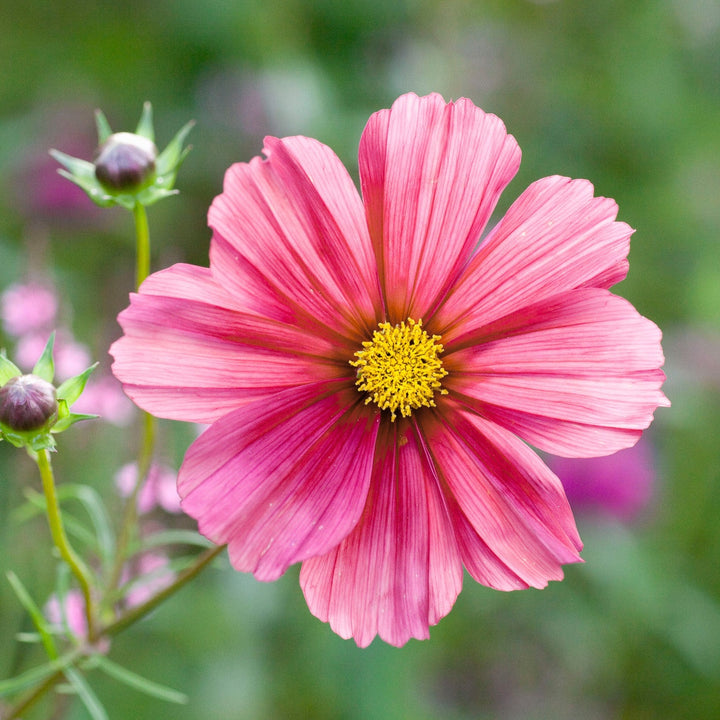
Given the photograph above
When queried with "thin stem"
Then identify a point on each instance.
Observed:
(34, 695)
(147, 448)
(47, 684)
(142, 233)
(138, 612)
(57, 530)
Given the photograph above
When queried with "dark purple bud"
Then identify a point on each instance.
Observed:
(27, 402)
(125, 162)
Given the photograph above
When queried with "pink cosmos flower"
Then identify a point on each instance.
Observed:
(370, 372)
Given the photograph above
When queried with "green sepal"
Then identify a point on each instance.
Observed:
(72, 388)
(104, 130)
(8, 369)
(145, 125)
(35, 440)
(64, 423)
(172, 157)
(82, 173)
(45, 366)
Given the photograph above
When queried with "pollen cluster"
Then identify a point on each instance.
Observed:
(400, 368)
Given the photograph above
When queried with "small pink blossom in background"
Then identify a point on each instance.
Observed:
(619, 485)
(71, 612)
(103, 396)
(159, 489)
(385, 512)
(71, 615)
(28, 308)
(155, 575)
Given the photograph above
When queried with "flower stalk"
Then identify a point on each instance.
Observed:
(59, 536)
(142, 233)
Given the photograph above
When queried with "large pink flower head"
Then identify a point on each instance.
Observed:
(371, 372)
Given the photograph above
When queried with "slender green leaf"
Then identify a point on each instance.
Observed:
(138, 682)
(176, 537)
(35, 614)
(95, 508)
(85, 693)
(36, 674)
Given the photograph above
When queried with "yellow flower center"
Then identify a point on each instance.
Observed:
(400, 368)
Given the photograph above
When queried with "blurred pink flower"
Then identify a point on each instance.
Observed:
(620, 485)
(103, 396)
(152, 575)
(159, 489)
(28, 308)
(369, 371)
(41, 194)
(70, 613)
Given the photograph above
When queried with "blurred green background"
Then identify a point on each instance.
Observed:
(623, 92)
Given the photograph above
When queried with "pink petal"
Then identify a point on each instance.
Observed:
(431, 175)
(514, 525)
(554, 238)
(282, 479)
(399, 571)
(188, 354)
(290, 240)
(578, 375)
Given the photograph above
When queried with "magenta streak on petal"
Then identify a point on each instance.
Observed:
(292, 228)
(554, 238)
(427, 197)
(578, 375)
(281, 480)
(512, 501)
(399, 571)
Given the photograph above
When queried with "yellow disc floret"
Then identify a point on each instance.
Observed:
(400, 368)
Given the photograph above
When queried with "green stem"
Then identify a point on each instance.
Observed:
(130, 512)
(142, 233)
(34, 695)
(60, 539)
(138, 612)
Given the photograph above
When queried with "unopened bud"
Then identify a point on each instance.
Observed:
(27, 402)
(126, 162)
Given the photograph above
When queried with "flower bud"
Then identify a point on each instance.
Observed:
(126, 162)
(27, 403)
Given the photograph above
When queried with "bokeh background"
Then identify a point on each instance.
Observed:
(623, 92)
